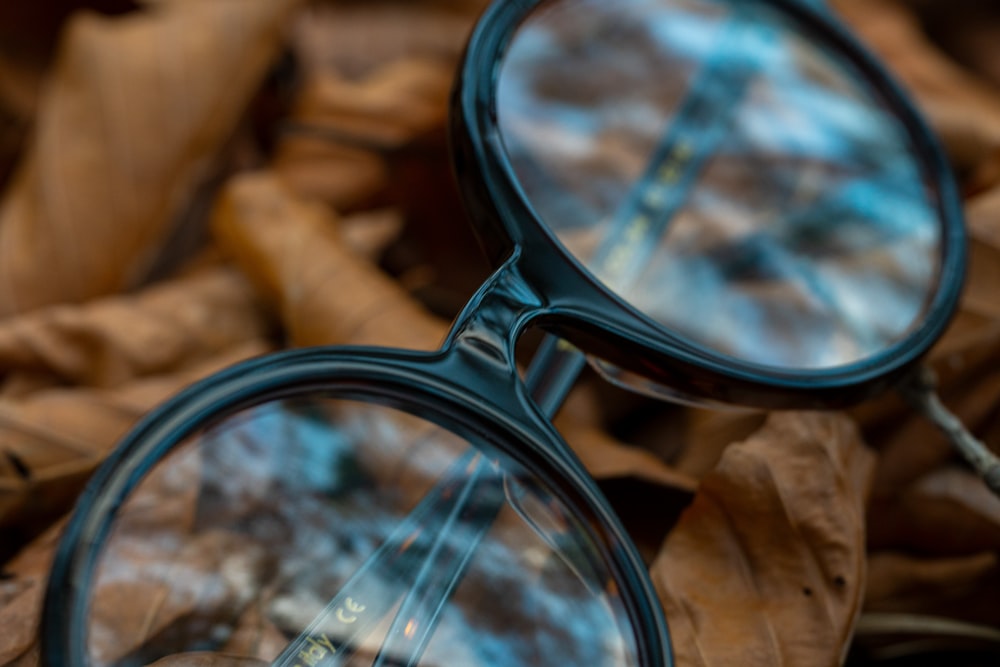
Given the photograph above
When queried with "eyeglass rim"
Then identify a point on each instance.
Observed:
(590, 313)
(431, 386)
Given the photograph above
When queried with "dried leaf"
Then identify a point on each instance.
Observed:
(136, 109)
(766, 567)
(397, 102)
(964, 110)
(20, 79)
(708, 433)
(343, 129)
(356, 38)
(325, 293)
(606, 457)
(964, 588)
(110, 341)
(21, 591)
(947, 512)
(51, 441)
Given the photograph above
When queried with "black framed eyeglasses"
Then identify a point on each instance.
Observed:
(721, 201)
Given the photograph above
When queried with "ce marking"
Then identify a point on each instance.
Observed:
(348, 612)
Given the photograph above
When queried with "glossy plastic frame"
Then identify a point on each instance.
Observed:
(471, 385)
(459, 388)
(604, 324)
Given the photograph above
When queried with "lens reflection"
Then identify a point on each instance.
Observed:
(264, 531)
(725, 173)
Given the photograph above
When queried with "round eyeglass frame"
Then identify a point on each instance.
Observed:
(471, 386)
(500, 207)
(449, 396)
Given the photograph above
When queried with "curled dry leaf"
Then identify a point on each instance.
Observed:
(947, 512)
(51, 441)
(767, 565)
(21, 591)
(604, 456)
(342, 130)
(20, 79)
(961, 587)
(357, 38)
(707, 434)
(964, 110)
(132, 117)
(113, 340)
(325, 293)
(397, 102)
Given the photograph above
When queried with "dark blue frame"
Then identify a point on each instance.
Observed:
(471, 386)
(607, 326)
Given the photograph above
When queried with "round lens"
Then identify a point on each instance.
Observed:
(727, 172)
(316, 531)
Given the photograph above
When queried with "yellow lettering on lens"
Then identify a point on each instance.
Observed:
(638, 229)
(617, 260)
(670, 170)
(353, 606)
(667, 173)
(565, 346)
(344, 617)
(653, 197)
(325, 641)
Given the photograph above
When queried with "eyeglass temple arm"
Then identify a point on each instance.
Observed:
(919, 390)
(362, 602)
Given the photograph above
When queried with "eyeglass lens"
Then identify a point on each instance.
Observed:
(243, 537)
(738, 162)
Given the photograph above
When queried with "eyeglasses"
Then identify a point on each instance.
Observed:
(716, 201)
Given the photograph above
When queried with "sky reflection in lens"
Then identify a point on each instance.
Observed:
(238, 541)
(806, 237)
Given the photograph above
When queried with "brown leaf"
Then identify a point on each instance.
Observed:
(20, 79)
(397, 102)
(110, 341)
(766, 567)
(947, 512)
(964, 587)
(324, 292)
(344, 129)
(356, 38)
(21, 591)
(964, 110)
(707, 434)
(51, 441)
(136, 109)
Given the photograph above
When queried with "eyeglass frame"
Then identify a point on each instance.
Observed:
(456, 386)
